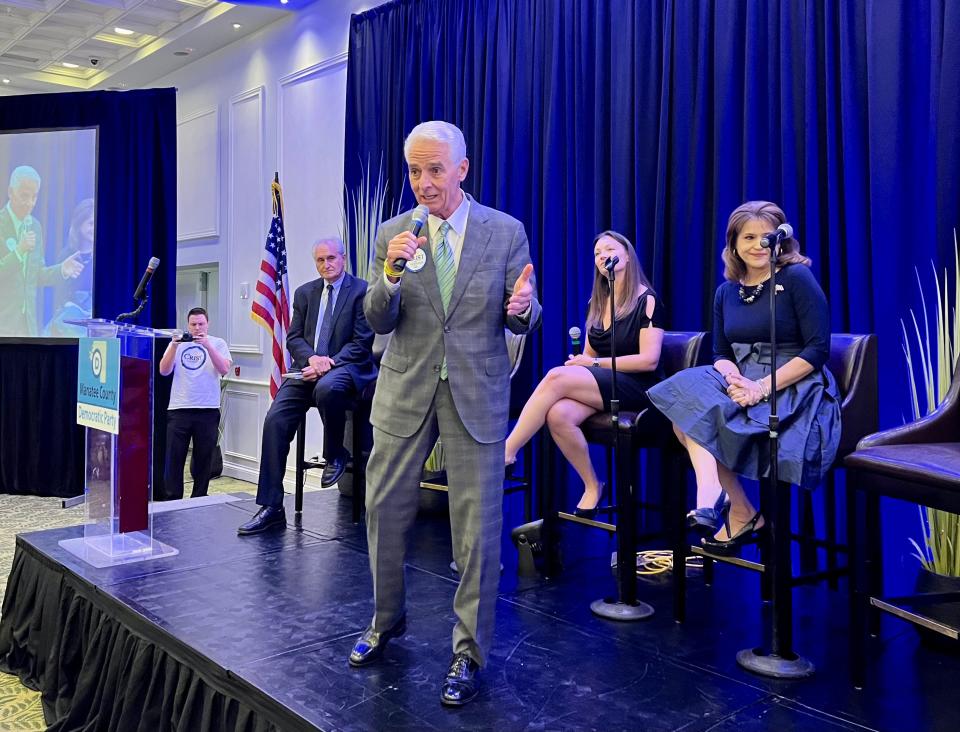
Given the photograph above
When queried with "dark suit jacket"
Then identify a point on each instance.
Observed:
(351, 342)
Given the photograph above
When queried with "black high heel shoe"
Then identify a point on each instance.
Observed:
(707, 521)
(748, 534)
(590, 513)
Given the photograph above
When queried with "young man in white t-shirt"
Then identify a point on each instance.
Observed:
(197, 362)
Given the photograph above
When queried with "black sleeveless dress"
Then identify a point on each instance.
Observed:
(631, 386)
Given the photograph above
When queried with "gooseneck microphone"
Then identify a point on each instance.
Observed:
(773, 239)
(420, 214)
(141, 292)
(574, 334)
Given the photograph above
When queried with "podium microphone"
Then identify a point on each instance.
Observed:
(574, 334)
(141, 292)
(420, 214)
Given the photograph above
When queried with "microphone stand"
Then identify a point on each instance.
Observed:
(779, 661)
(134, 313)
(625, 606)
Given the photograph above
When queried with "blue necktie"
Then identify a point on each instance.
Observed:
(446, 274)
(326, 325)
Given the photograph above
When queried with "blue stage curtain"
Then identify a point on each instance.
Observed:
(658, 117)
(40, 453)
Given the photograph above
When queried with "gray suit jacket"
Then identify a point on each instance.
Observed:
(18, 305)
(495, 251)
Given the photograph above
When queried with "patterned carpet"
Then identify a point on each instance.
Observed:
(19, 706)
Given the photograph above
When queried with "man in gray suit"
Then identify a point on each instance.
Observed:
(446, 297)
(22, 267)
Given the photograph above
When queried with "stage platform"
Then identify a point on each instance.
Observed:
(253, 634)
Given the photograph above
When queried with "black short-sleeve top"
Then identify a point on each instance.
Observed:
(628, 330)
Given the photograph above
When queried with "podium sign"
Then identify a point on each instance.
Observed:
(115, 404)
(98, 384)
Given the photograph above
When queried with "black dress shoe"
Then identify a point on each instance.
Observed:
(461, 684)
(332, 472)
(590, 513)
(371, 644)
(748, 534)
(267, 518)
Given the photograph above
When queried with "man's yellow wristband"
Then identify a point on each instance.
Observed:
(390, 271)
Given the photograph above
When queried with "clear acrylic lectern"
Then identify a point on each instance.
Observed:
(115, 404)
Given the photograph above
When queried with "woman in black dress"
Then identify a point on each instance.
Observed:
(720, 413)
(570, 393)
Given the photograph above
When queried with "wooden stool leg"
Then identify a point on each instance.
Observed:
(674, 500)
(361, 416)
(873, 560)
(301, 440)
(808, 532)
(549, 480)
(830, 524)
(857, 597)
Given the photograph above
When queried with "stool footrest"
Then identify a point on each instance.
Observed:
(916, 618)
(738, 561)
(612, 528)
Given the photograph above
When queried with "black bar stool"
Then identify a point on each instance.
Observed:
(919, 463)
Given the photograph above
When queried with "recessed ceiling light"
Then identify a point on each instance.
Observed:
(68, 65)
(184, 52)
(5, 81)
(237, 26)
(284, 2)
(123, 31)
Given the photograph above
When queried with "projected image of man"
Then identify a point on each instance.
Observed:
(22, 266)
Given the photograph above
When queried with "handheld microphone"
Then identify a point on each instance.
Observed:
(611, 263)
(574, 334)
(141, 292)
(420, 214)
(773, 239)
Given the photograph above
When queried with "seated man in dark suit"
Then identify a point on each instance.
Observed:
(330, 342)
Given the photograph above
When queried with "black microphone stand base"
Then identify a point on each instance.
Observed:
(773, 666)
(613, 609)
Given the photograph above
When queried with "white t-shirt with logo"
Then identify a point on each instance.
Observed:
(196, 383)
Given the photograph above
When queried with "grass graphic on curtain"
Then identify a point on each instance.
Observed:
(930, 374)
(361, 213)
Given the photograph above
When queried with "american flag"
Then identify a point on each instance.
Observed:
(271, 304)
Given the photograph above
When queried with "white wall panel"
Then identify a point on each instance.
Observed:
(242, 423)
(198, 175)
(311, 110)
(249, 194)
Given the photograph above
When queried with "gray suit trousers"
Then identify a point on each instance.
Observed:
(475, 479)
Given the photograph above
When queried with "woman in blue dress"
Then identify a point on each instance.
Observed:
(720, 412)
(570, 393)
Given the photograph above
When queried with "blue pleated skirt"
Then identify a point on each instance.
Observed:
(696, 401)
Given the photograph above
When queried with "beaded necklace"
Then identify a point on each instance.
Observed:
(752, 296)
